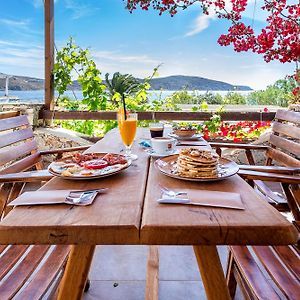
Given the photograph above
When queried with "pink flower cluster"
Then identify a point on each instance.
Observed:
(279, 40)
(238, 132)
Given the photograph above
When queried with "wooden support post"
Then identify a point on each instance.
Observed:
(75, 276)
(211, 272)
(49, 54)
(152, 280)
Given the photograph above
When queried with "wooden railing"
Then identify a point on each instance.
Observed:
(157, 115)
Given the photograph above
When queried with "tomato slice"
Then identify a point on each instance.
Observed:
(94, 164)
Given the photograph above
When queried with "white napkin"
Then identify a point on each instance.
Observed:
(204, 198)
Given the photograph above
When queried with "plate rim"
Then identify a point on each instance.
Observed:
(195, 137)
(129, 162)
(156, 164)
(156, 155)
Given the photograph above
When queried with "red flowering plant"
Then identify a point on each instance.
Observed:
(238, 132)
(278, 40)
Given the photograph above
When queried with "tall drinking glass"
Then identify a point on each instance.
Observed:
(127, 130)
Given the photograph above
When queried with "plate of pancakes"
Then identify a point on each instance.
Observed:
(196, 165)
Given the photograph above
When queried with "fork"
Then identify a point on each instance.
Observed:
(171, 193)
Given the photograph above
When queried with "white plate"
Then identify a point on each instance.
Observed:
(55, 168)
(195, 137)
(154, 154)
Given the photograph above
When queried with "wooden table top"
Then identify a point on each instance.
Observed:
(129, 213)
(167, 224)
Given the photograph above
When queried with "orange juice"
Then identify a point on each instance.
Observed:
(127, 130)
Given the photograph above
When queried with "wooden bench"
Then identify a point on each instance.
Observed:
(271, 272)
(283, 149)
(26, 271)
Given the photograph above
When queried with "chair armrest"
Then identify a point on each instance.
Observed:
(59, 151)
(31, 176)
(265, 176)
(239, 146)
(271, 169)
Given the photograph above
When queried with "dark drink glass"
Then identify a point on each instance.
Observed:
(156, 130)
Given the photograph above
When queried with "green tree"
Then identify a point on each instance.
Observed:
(234, 98)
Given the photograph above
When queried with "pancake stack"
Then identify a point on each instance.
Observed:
(197, 163)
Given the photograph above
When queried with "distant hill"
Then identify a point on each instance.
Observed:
(178, 82)
(22, 83)
(172, 83)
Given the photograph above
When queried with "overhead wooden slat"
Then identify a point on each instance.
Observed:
(250, 270)
(290, 258)
(285, 282)
(15, 136)
(174, 115)
(288, 115)
(24, 269)
(283, 158)
(23, 164)
(14, 152)
(9, 114)
(14, 122)
(45, 276)
(9, 258)
(291, 131)
(285, 145)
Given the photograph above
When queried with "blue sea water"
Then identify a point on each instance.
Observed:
(38, 95)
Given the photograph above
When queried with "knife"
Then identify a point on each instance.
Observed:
(189, 202)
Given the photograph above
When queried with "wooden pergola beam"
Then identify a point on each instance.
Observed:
(49, 54)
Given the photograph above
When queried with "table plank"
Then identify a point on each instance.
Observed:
(114, 217)
(169, 224)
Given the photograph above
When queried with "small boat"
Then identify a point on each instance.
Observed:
(9, 98)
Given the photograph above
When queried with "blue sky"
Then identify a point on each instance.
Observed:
(132, 43)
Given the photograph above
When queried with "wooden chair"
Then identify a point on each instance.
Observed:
(26, 271)
(271, 272)
(283, 149)
(267, 272)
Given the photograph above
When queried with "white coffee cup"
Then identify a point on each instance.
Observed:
(163, 145)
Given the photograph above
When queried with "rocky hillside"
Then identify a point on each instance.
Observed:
(178, 82)
(22, 83)
(172, 83)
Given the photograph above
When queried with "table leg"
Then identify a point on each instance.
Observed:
(76, 272)
(211, 272)
(152, 280)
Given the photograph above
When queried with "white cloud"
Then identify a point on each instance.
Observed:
(15, 23)
(80, 8)
(200, 24)
(139, 65)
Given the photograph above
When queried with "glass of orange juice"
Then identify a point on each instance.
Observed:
(127, 128)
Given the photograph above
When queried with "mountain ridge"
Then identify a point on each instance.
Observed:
(171, 83)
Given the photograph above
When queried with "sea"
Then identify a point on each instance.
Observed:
(37, 97)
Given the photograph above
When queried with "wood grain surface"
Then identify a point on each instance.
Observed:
(114, 217)
(164, 224)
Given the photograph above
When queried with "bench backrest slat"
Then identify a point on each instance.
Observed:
(285, 139)
(18, 149)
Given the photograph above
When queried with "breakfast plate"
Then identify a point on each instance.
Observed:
(154, 154)
(168, 166)
(89, 166)
(195, 137)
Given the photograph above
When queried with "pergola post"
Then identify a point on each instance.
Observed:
(49, 54)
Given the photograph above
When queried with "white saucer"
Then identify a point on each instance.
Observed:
(154, 154)
(195, 137)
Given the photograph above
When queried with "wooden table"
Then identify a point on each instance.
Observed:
(129, 215)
